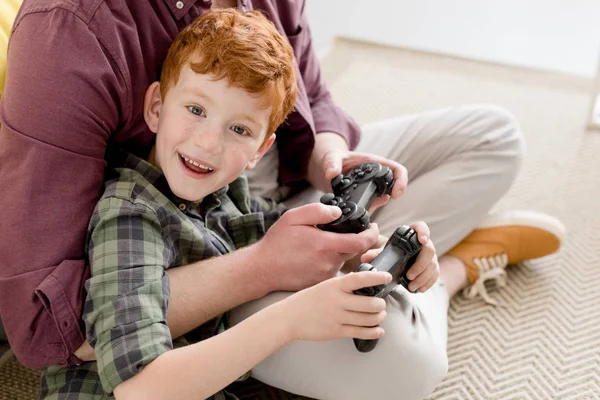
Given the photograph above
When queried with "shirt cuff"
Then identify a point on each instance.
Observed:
(61, 295)
(330, 118)
(128, 349)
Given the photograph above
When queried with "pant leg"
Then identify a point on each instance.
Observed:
(460, 161)
(408, 363)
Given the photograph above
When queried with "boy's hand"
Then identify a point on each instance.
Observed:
(426, 270)
(294, 254)
(330, 310)
(85, 352)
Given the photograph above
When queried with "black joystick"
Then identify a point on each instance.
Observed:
(398, 255)
(354, 193)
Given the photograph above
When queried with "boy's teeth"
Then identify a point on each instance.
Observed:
(196, 164)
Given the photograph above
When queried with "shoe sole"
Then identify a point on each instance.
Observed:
(525, 218)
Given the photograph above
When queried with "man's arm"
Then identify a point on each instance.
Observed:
(206, 289)
(57, 111)
(328, 117)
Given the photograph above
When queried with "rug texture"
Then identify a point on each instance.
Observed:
(543, 341)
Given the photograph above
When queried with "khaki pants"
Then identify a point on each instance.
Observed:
(460, 161)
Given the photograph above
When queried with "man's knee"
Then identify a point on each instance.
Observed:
(502, 136)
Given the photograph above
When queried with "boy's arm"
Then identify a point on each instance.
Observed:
(130, 290)
(204, 368)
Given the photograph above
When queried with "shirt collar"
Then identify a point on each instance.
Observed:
(179, 8)
(156, 178)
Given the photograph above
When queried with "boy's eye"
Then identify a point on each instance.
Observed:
(240, 130)
(196, 110)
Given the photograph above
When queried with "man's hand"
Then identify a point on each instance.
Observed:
(294, 254)
(331, 157)
(426, 270)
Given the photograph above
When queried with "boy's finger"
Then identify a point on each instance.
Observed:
(423, 231)
(429, 283)
(425, 257)
(358, 280)
(363, 319)
(362, 332)
(423, 278)
(364, 304)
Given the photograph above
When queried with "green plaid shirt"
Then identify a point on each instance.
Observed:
(139, 229)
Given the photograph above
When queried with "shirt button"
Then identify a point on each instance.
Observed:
(179, 5)
(182, 207)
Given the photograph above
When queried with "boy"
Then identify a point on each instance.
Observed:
(228, 82)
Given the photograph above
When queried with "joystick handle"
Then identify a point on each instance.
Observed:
(398, 255)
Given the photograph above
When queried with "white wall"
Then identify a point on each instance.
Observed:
(559, 35)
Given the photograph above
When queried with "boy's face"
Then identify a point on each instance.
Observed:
(207, 133)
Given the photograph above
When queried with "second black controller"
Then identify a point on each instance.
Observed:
(398, 255)
(354, 193)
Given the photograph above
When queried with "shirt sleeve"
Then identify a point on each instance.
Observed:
(59, 105)
(328, 117)
(128, 292)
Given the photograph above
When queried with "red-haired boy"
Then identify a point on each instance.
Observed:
(228, 82)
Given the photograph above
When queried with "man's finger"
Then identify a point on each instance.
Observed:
(312, 214)
(352, 243)
(370, 255)
(401, 178)
(379, 202)
(399, 171)
(332, 164)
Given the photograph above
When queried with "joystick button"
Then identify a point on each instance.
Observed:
(345, 181)
(336, 181)
(369, 168)
(328, 198)
(346, 210)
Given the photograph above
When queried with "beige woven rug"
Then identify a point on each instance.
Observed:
(544, 343)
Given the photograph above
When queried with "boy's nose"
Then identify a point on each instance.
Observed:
(209, 140)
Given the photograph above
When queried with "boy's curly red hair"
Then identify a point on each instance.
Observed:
(243, 47)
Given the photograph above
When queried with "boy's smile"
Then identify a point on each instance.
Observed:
(208, 132)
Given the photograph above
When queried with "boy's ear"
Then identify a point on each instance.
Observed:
(260, 152)
(152, 106)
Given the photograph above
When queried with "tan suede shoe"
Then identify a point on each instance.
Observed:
(502, 239)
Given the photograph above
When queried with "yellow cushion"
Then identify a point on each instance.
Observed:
(8, 12)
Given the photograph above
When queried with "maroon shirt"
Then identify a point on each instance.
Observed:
(76, 77)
